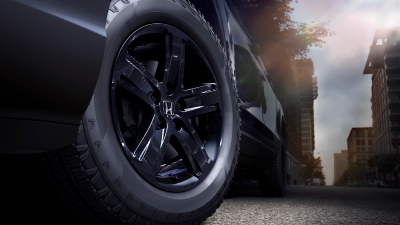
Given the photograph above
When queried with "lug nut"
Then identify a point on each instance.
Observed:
(181, 105)
(153, 97)
(160, 123)
(177, 125)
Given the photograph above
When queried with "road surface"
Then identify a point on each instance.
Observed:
(310, 205)
(23, 204)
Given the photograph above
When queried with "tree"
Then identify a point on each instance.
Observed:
(319, 174)
(270, 25)
(298, 41)
(313, 167)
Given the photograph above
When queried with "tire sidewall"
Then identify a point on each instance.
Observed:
(103, 140)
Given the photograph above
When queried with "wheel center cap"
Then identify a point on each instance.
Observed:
(168, 107)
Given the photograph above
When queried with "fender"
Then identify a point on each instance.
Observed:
(51, 55)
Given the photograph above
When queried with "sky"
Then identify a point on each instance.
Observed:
(344, 93)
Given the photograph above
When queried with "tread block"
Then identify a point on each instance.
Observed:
(132, 219)
(117, 207)
(92, 171)
(81, 148)
(108, 197)
(122, 212)
(104, 191)
(84, 156)
(95, 178)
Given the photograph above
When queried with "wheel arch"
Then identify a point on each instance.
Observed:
(52, 52)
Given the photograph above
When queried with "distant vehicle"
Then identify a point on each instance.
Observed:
(369, 183)
(379, 183)
(317, 182)
(353, 184)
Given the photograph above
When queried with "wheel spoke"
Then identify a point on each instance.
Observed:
(131, 75)
(206, 88)
(204, 99)
(198, 90)
(174, 60)
(141, 69)
(194, 152)
(137, 92)
(122, 67)
(189, 128)
(199, 110)
(142, 142)
(165, 135)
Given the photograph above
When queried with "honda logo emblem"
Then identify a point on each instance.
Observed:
(168, 108)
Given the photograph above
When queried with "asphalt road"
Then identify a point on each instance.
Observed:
(22, 204)
(310, 205)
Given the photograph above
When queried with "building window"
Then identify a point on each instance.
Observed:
(369, 133)
(305, 116)
(360, 142)
(359, 133)
(305, 122)
(369, 141)
(306, 148)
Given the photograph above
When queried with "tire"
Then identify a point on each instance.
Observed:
(273, 182)
(97, 180)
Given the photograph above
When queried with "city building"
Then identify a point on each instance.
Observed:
(384, 64)
(308, 92)
(360, 145)
(340, 164)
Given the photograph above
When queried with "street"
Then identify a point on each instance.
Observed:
(243, 205)
(310, 205)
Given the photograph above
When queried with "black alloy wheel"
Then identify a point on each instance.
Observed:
(166, 107)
